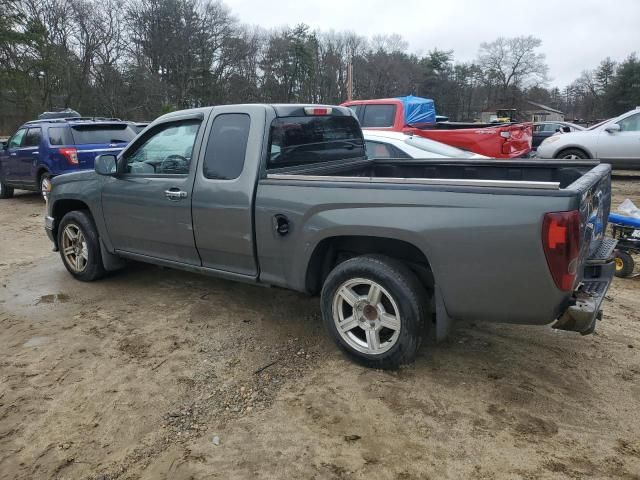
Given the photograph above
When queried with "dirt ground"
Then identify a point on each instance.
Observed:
(154, 373)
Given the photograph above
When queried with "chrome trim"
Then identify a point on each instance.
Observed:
(421, 181)
(100, 150)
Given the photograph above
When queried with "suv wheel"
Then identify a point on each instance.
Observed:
(5, 190)
(79, 246)
(45, 185)
(375, 309)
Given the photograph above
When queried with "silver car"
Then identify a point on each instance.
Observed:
(615, 141)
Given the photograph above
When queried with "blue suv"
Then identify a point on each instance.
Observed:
(42, 149)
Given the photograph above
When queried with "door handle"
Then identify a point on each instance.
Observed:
(175, 194)
(13, 154)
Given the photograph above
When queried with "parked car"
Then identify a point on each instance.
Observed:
(615, 141)
(42, 149)
(139, 126)
(284, 195)
(386, 144)
(544, 130)
(411, 115)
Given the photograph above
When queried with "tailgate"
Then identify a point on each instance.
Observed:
(519, 140)
(595, 202)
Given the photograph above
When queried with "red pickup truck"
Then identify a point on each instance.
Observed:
(496, 141)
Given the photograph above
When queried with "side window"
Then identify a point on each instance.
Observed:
(227, 146)
(16, 140)
(357, 109)
(165, 150)
(630, 124)
(378, 116)
(32, 138)
(379, 150)
(539, 127)
(60, 136)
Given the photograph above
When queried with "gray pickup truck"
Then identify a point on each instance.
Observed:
(284, 195)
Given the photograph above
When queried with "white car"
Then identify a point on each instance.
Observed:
(383, 144)
(615, 141)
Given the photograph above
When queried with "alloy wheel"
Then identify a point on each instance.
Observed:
(366, 316)
(74, 248)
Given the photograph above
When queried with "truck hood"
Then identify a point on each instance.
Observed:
(81, 176)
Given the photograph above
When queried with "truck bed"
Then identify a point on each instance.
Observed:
(528, 174)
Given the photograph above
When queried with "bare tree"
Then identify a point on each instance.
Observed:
(513, 63)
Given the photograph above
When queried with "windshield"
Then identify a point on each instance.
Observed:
(102, 134)
(598, 125)
(432, 146)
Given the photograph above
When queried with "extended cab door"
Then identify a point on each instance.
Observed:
(224, 189)
(147, 206)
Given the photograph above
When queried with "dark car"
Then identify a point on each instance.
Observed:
(543, 130)
(42, 149)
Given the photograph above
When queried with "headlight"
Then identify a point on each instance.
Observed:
(549, 140)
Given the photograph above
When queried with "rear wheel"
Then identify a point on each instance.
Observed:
(624, 264)
(5, 190)
(79, 246)
(572, 154)
(375, 309)
(45, 185)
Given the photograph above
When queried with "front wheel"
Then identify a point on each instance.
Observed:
(5, 190)
(572, 154)
(375, 309)
(79, 246)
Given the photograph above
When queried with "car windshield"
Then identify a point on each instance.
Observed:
(598, 125)
(432, 146)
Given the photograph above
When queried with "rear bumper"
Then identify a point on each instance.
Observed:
(585, 306)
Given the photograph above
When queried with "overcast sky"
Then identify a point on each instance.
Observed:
(576, 34)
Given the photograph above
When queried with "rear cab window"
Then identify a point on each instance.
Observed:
(305, 140)
(378, 116)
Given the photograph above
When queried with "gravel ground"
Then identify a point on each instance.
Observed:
(155, 373)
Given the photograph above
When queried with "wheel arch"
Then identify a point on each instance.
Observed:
(335, 249)
(60, 208)
(582, 148)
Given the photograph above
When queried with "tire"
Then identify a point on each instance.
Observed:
(572, 154)
(44, 183)
(402, 303)
(84, 262)
(5, 190)
(624, 264)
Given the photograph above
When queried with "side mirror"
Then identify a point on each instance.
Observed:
(613, 128)
(566, 129)
(106, 165)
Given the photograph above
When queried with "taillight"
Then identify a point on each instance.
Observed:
(70, 155)
(561, 242)
(505, 134)
(317, 110)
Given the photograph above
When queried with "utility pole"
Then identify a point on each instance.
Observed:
(350, 82)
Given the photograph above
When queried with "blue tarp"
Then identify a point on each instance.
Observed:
(418, 110)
